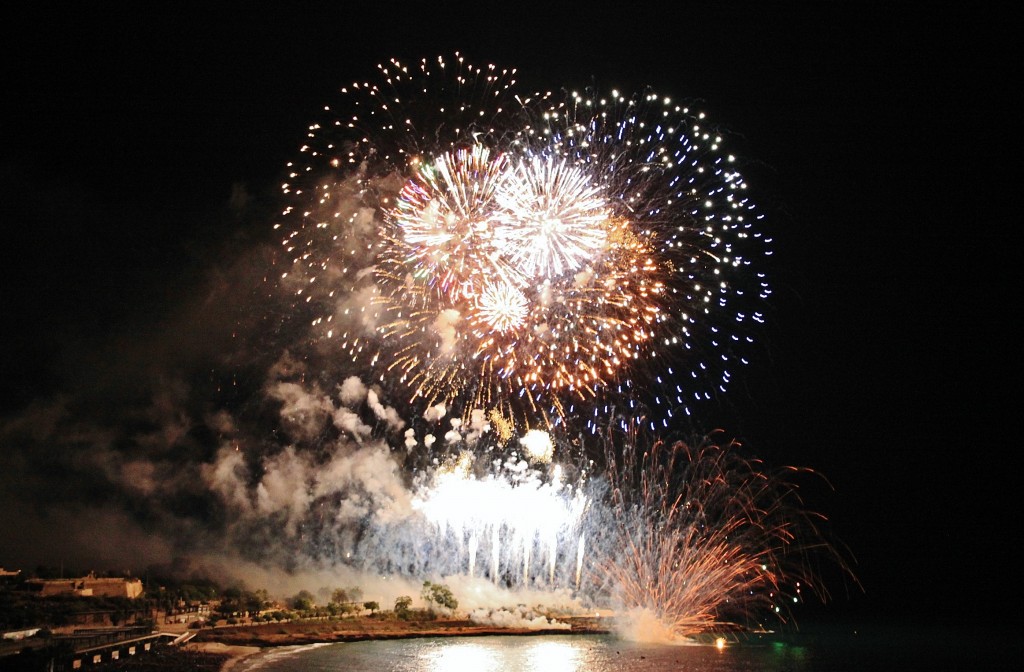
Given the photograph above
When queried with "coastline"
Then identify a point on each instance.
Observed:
(238, 642)
(231, 654)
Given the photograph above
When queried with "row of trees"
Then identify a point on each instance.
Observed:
(343, 601)
(19, 608)
(346, 600)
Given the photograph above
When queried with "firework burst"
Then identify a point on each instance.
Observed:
(532, 255)
(551, 218)
(502, 307)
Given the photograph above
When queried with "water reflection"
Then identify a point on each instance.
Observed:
(463, 656)
(546, 655)
(827, 649)
(554, 656)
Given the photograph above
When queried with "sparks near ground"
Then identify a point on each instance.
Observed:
(703, 538)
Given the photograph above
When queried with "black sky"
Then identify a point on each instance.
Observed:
(887, 150)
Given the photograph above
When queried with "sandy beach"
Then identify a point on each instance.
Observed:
(230, 652)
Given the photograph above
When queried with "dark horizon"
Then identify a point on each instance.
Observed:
(140, 156)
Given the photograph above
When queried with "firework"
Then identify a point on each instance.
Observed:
(705, 539)
(525, 527)
(529, 255)
(551, 218)
(502, 307)
(444, 224)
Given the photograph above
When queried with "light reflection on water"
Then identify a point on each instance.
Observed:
(835, 649)
(551, 655)
(557, 656)
(546, 653)
(462, 656)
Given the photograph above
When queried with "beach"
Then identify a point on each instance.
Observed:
(228, 654)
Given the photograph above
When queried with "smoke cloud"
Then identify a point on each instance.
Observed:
(519, 617)
(242, 438)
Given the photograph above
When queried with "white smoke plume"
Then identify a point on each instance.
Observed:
(434, 413)
(478, 426)
(352, 392)
(385, 413)
(445, 327)
(519, 617)
(303, 412)
(349, 422)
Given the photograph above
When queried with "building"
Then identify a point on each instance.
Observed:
(87, 586)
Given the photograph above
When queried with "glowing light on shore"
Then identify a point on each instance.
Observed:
(528, 522)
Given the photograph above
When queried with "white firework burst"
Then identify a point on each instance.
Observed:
(553, 218)
(502, 306)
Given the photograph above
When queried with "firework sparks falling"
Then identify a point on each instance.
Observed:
(704, 539)
(535, 260)
(532, 525)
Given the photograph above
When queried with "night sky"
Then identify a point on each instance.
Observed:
(142, 153)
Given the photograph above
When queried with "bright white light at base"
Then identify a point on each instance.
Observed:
(462, 502)
(521, 519)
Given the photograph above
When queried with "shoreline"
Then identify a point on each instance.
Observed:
(243, 641)
(232, 654)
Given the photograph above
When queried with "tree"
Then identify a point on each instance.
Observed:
(439, 594)
(230, 602)
(302, 601)
(253, 603)
(372, 606)
(344, 595)
(402, 605)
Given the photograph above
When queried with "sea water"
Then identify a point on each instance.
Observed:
(832, 649)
